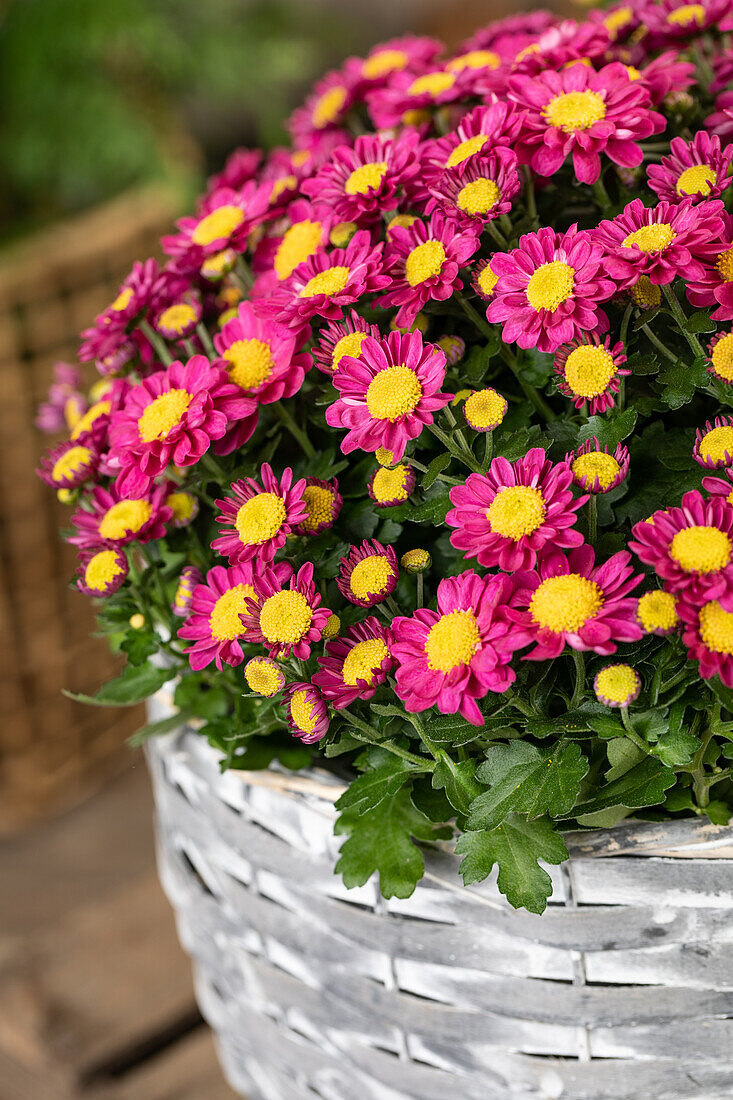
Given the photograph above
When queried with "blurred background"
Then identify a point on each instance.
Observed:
(112, 117)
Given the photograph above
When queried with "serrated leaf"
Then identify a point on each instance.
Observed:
(700, 322)
(440, 462)
(515, 846)
(643, 785)
(605, 725)
(139, 645)
(718, 812)
(623, 755)
(677, 747)
(680, 380)
(133, 685)
(386, 774)
(452, 729)
(157, 729)
(381, 840)
(524, 779)
(431, 511)
(609, 430)
(458, 780)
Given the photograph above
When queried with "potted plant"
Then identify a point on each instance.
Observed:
(408, 498)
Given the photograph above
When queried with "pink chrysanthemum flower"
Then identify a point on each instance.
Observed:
(549, 288)
(171, 417)
(306, 711)
(101, 571)
(590, 370)
(112, 518)
(183, 598)
(390, 57)
(65, 402)
(617, 685)
(389, 393)
(618, 19)
(714, 286)
(720, 122)
(485, 409)
(583, 113)
(408, 94)
(277, 257)
(328, 281)
(663, 75)
(68, 465)
(355, 664)
(697, 169)
(669, 19)
(239, 168)
(515, 512)
(720, 486)
(656, 612)
(264, 677)
(720, 354)
(478, 190)
(708, 634)
(224, 220)
(360, 182)
(369, 574)
(183, 505)
(690, 547)
(424, 260)
(569, 600)
(340, 338)
(323, 502)
(179, 319)
(452, 657)
(512, 33)
(559, 46)
(145, 290)
(714, 443)
(286, 619)
(594, 469)
(391, 485)
(257, 518)
(483, 280)
(484, 130)
(454, 348)
(323, 112)
(215, 622)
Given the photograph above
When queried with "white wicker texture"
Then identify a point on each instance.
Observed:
(623, 990)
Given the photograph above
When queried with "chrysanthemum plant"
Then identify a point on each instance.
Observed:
(415, 459)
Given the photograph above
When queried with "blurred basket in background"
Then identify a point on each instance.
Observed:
(53, 750)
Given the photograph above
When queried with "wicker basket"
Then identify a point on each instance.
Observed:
(622, 990)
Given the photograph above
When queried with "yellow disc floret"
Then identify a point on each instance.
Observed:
(516, 511)
(124, 518)
(184, 506)
(432, 83)
(650, 238)
(474, 59)
(424, 262)
(366, 178)
(384, 61)
(478, 197)
(225, 620)
(696, 181)
(263, 677)
(383, 456)
(217, 225)
(595, 464)
(371, 577)
(285, 618)
(328, 282)
(332, 627)
(565, 603)
(363, 660)
(319, 502)
(250, 362)
(299, 242)
(102, 569)
(550, 285)
(452, 641)
(722, 357)
(303, 711)
(571, 111)
(329, 106)
(86, 422)
(645, 293)
(122, 300)
(717, 445)
(348, 345)
(589, 369)
(616, 685)
(70, 462)
(687, 15)
(393, 393)
(485, 409)
(716, 628)
(390, 485)
(466, 149)
(260, 518)
(416, 561)
(657, 611)
(162, 415)
(487, 280)
(701, 549)
(725, 264)
(177, 318)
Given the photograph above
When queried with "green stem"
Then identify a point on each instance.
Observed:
(529, 194)
(681, 319)
(488, 449)
(420, 601)
(532, 395)
(520, 705)
(466, 457)
(700, 785)
(632, 734)
(579, 661)
(625, 323)
(203, 335)
(658, 344)
(473, 315)
(592, 517)
(602, 195)
(371, 737)
(158, 343)
(392, 605)
(295, 430)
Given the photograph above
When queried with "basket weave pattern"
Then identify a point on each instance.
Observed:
(623, 989)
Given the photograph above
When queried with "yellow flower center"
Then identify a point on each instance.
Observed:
(260, 518)
(466, 149)
(383, 456)
(475, 59)
(565, 603)
(183, 592)
(84, 424)
(342, 233)
(285, 618)
(225, 620)
(329, 282)
(162, 414)
(725, 265)
(485, 409)
(319, 502)
(487, 280)
(722, 357)
(479, 196)
(696, 181)
(383, 62)
(551, 284)
(572, 111)
(216, 266)
(217, 225)
(651, 238)
(716, 628)
(303, 712)
(363, 660)
(348, 345)
(250, 362)
(390, 484)
(686, 15)
(124, 518)
(102, 569)
(178, 317)
(589, 369)
(657, 611)
(368, 177)
(615, 21)
(70, 462)
(122, 300)
(299, 242)
(701, 549)
(645, 293)
(596, 464)
(371, 576)
(717, 445)
(263, 677)
(432, 83)
(424, 262)
(183, 505)
(516, 511)
(285, 183)
(452, 641)
(417, 559)
(617, 683)
(329, 106)
(332, 627)
(393, 393)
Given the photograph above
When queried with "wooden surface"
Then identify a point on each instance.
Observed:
(96, 1000)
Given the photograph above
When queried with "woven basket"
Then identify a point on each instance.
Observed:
(621, 991)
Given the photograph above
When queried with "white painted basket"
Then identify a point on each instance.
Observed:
(623, 990)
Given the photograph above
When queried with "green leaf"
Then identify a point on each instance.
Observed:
(604, 819)
(452, 729)
(623, 755)
(718, 812)
(458, 780)
(680, 380)
(643, 785)
(386, 774)
(139, 645)
(605, 725)
(157, 729)
(700, 322)
(440, 462)
(527, 780)
(516, 846)
(431, 511)
(609, 430)
(133, 685)
(676, 747)
(381, 840)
